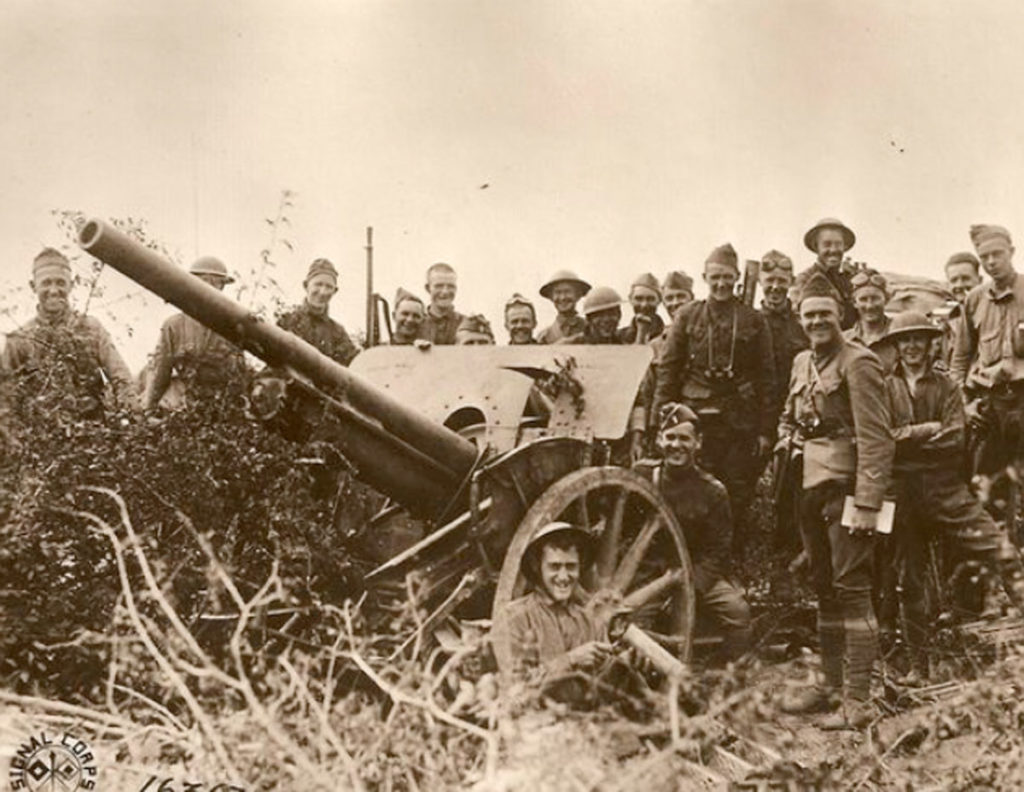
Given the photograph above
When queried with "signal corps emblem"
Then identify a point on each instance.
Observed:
(52, 763)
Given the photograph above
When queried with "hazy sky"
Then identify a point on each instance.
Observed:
(615, 137)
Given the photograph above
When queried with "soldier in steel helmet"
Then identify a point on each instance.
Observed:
(831, 240)
(68, 355)
(718, 360)
(311, 321)
(189, 352)
(645, 297)
(552, 627)
(837, 417)
(932, 496)
(565, 289)
(602, 312)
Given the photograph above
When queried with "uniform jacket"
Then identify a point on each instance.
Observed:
(561, 328)
(183, 341)
(884, 348)
(788, 338)
(985, 352)
(686, 357)
(542, 631)
(844, 398)
(321, 331)
(586, 337)
(936, 398)
(839, 277)
(700, 503)
(76, 337)
(440, 330)
(627, 334)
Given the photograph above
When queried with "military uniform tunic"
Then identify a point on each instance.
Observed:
(318, 329)
(562, 327)
(440, 329)
(627, 334)
(788, 338)
(840, 278)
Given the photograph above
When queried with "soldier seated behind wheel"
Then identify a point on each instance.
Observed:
(701, 505)
(551, 627)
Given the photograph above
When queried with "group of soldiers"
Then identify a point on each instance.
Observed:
(851, 409)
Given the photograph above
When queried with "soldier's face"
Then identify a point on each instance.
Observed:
(675, 299)
(679, 444)
(441, 288)
(565, 296)
(520, 323)
(603, 324)
(914, 347)
(997, 260)
(320, 289)
(408, 318)
(962, 278)
(830, 246)
(559, 571)
(721, 280)
(52, 287)
(469, 338)
(213, 280)
(870, 303)
(775, 285)
(644, 301)
(819, 317)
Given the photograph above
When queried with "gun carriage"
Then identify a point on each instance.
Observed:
(476, 446)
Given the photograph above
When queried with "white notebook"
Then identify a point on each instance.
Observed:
(885, 515)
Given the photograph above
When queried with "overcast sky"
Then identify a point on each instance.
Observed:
(615, 137)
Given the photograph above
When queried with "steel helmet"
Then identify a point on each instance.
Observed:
(911, 322)
(601, 299)
(564, 276)
(583, 540)
(210, 265)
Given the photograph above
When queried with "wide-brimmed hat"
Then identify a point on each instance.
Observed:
(564, 276)
(210, 265)
(582, 538)
(911, 322)
(829, 222)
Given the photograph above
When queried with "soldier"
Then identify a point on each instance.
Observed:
(718, 360)
(831, 240)
(442, 319)
(962, 275)
(552, 627)
(644, 296)
(520, 320)
(408, 315)
(988, 353)
(602, 312)
(189, 352)
(676, 291)
(62, 354)
(564, 289)
(701, 504)
(311, 322)
(837, 411)
(474, 330)
(931, 494)
(870, 294)
(788, 338)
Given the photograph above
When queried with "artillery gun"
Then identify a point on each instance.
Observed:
(448, 435)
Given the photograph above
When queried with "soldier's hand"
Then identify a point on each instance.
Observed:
(975, 415)
(589, 654)
(863, 521)
(421, 344)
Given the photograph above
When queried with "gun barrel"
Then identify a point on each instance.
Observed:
(279, 348)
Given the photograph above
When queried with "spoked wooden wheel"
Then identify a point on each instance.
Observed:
(641, 562)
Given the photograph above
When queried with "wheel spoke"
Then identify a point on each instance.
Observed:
(584, 511)
(649, 592)
(634, 554)
(610, 540)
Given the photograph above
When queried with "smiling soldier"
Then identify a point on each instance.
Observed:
(831, 240)
(311, 322)
(520, 320)
(408, 315)
(68, 355)
(442, 319)
(564, 289)
(645, 297)
(551, 627)
(837, 413)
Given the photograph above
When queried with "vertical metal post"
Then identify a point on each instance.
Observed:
(371, 306)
